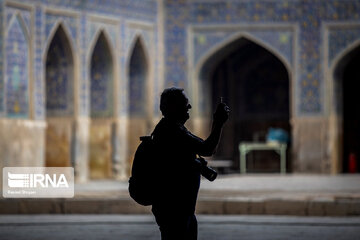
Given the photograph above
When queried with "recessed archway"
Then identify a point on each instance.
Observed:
(255, 83)
(101, 108)
(138, 75)
(346, 97)
(139, 104)
(59, 79)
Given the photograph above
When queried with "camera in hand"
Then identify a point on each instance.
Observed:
(207, 172)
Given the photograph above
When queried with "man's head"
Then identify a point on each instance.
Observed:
(175, 105)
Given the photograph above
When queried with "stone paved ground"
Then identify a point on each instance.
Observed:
(130, 227)
(274, 194)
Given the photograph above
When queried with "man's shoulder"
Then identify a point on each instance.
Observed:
(170, 129)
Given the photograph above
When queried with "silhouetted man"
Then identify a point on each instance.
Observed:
(177, 173)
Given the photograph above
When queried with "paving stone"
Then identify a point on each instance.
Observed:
(256, 207)
(42, 206)
(236, 207)
(210, 207)
(9, 206)
(283, 207)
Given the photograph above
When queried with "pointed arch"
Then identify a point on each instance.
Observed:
(341, 96)
(59, 69)
(102, 73)
(60, 24)
(234, 38)
(138, 68)
(17, 17)
(137, 39)
(101, 31)
(59, 76)
(17, 68)
(344, 56)
(219, 51)
(254, 82)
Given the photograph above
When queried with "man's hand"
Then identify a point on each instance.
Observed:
(221, 114)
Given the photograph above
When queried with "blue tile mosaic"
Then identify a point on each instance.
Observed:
(69, 22)
(39, 104)
(281, 41)
(136, 9)
(132, 36)
(122, 90)
(2, 79)
(17, 70)
(110, 30)
(84, 106)
(157, 77)
(307, 15)
(25, 14)
(340, 39)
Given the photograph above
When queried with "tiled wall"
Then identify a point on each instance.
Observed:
(292, 29)
(81, 21)
(17, 68)
(302, 45)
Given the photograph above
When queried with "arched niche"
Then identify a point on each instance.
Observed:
(255, 83)
(101, 108)
(346, 89)
(138, 78)
(59, 76)
(59, 86)
(17, 69)
(139, 104)
(101, 79)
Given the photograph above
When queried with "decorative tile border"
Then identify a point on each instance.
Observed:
(2, 57)
(18, 75)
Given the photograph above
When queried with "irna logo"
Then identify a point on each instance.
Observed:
(16, 180)
(38, 182)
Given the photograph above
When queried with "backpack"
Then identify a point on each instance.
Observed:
(141, 182)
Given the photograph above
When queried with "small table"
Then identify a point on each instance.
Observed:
(246, 147)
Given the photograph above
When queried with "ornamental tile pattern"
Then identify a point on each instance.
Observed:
(2, 79)
(69, 22)
(340, 39)
(38, 65)
(306, 15)
(17, 70)
(277, 39)
(302, 49)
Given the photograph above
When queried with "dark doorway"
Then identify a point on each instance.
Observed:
(351, 111)
(255, 84)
